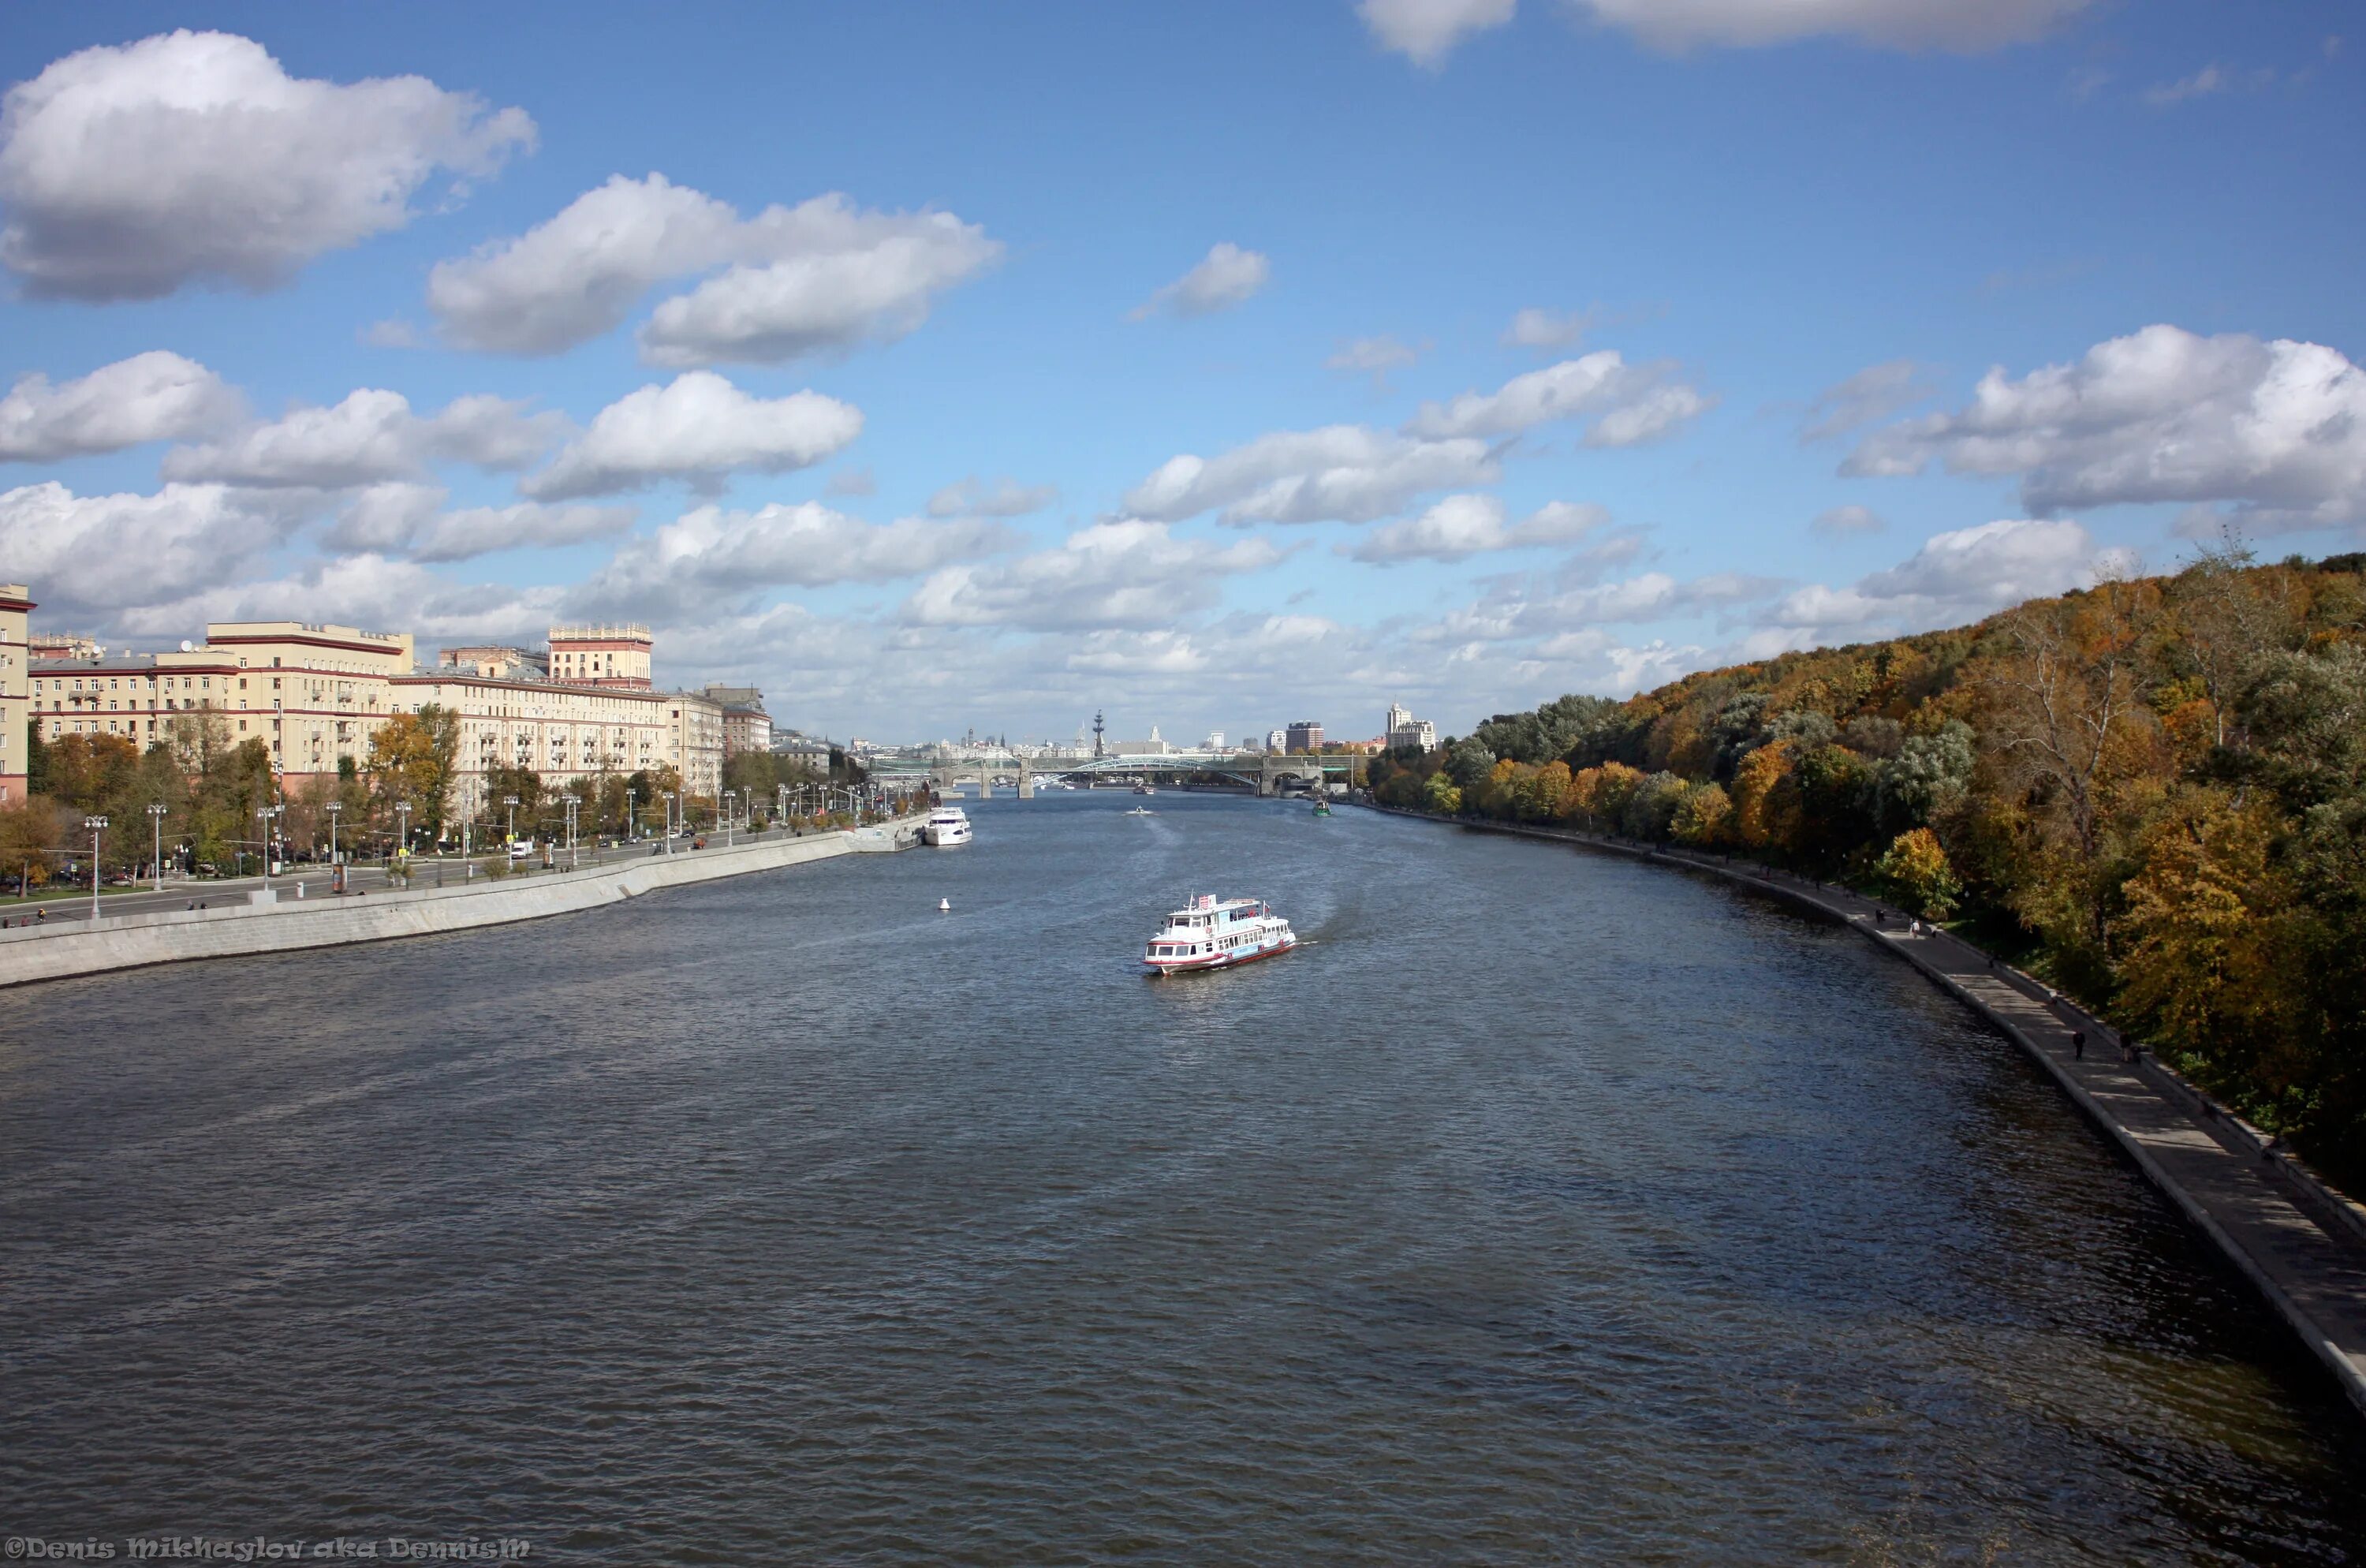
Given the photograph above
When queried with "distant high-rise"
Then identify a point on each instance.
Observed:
(1215, 741)
(1274, 740)
(1403, 730)
(1305, 734)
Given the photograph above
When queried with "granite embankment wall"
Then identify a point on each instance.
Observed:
(2299, 1242)
(175, 936)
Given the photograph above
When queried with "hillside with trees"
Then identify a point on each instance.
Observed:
(2151, 793)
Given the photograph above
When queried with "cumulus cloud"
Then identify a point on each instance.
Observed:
(1873, 394)
(700, 427)
(1427, 31)
(821, 276)
(1003, 497)
(410, 519)
(1128, 573)
(112, 550)
(1464, 526)
(710, 555)
(371, 437)
(1631, 404)
(1953, 578)
(368, 591)
(1965, 26)
(1348, 473)
(1840, 522)
(1536, 328)
(129, 171)
(1373, 356)
(149, 397)
(2278, 428)
(1225, 277)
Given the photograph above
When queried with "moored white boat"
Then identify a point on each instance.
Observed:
(1217, 933)
(946, 827)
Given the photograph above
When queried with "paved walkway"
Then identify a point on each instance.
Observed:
(2303, 1245)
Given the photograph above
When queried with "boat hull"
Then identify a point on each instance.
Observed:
(1215, 960)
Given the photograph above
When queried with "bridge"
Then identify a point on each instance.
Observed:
(1265, 775)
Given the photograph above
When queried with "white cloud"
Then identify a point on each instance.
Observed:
(1536, 328)
(1871, 395)
(410, 519)
(391, 332)
(1225, 277)
(1427, 31)
(1957, 25)
(2160, 415)
(371, 437)
(853, 482)
(128, 172)
(105, 551)
(698, 428)
(819, 277)
(1349, 473)
(1128, 573)
(710, 556)
(1840, 522)
(1953, 578)
(1373, 356)
(1631, 404)
(366, 590)
(1464, 526)
(2209, 82)
(149, 397)
(1003, 497)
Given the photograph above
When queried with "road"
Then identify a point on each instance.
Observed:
(219, 892)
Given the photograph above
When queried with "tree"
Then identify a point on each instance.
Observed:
(1916, 871)
(412, 762)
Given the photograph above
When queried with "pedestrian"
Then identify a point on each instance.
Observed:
(190, 904)
(2078, 1044)
(41, 916)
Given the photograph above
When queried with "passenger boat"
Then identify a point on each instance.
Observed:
(946, 827)
(1217, 933)
(1145, 789)
(1322, 808)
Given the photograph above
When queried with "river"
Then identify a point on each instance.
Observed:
(1542, 1207)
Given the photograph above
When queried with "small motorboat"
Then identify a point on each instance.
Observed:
(1322, 808)
(1141, 811)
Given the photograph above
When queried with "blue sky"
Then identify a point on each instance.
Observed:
(1767, 250)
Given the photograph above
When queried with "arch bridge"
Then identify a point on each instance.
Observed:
(1265, 775)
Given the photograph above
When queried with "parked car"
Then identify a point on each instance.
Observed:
(520, 852)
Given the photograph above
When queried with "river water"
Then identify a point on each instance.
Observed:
(1543, 1207)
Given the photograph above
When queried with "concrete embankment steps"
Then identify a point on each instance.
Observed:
(2299, 1242)
(128, 941)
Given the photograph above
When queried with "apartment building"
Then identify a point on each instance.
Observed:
(15, 688)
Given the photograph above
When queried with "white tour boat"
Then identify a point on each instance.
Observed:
(1217, 933)
(946, 825)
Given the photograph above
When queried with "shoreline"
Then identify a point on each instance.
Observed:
(2299, 1242)
(29, 956)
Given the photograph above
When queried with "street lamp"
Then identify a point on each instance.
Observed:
(511, 801)
(264, 816)
(97, 825)
(668, 797)
(156, 820)
(571, 805)
(729, 795)
(632, 828)
(334, 806)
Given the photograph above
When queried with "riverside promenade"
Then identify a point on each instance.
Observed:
(2299, 1241)
(111, 944)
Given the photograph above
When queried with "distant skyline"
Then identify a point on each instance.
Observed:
(1211, 367)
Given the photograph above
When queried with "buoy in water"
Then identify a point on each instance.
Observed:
(944, 906)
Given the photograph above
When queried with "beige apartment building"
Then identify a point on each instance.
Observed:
(15, 688)
(315, 694)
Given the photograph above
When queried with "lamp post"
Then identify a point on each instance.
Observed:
(729, 795)
(263, 816)
(334, 806)
(571, 803)
(97, 825)
(156, 821)
(668, 797)
(511, 801)
(402, 817)
(632, 828)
